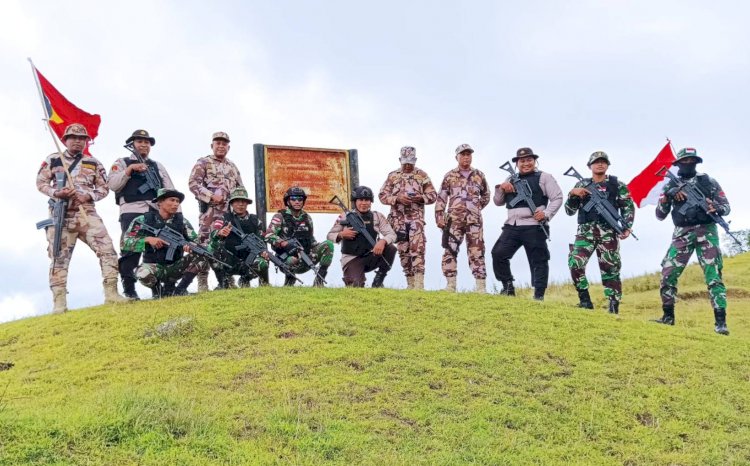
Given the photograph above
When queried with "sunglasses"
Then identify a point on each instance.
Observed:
(296, 198)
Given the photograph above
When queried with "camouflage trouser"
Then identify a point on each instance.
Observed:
(411, 252)
(320, 253)
(205, 223)
(258, 267)
(704, 239)
(593, 236)
(474, 249)
(149, 274)
(92, 233)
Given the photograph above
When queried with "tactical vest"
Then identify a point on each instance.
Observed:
(301, 228)
(613, 188)
(694, 215)
(359, 245)
(248, 225)
(159, 256)
(130, 191)
(537, 196)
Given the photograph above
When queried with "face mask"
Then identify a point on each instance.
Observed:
(686, 170)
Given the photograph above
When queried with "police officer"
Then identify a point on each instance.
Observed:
(127, 178)
(594, 233)
(695, 231)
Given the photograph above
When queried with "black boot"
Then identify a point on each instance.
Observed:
(322, 272)
(289, 280)
(720, 315)
(222, 279)
(584, 299)
(168, 290)
(262, 278)
(128, 288)
(181, 290)
(539, 294)
(377, 282)
(157, 291)
(614, 305)
(508, 289)
(668, 317)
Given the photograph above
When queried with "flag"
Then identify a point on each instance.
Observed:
(647, 186)
(61, 112)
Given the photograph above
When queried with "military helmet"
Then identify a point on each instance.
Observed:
(362, 192)
(241, 194)
(75, 129)
(685, 153)
(294, 191)
(141, 134)
(598, 155)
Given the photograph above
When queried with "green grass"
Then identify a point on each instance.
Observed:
(307, 376)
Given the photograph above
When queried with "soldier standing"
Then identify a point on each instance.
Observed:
(524, 227)
(358, 256)
(594, 233)
(458, 211)
(295, 225)
(407, 191)
(212, 180)
(88, 185)
(695, 231)
(223, 240)
(127, 178)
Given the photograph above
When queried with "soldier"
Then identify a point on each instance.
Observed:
(127, 178)
(157, 272)
(407, 191)
(464, 193)
(594, 233)
(225, 242)
(294, 224)
(212, 180)
(524, 227)
(358, 256)
(88, 185)
(694, 231)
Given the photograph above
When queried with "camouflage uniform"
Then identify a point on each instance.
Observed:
(408, 220)
(278, 230)
(598, 235)
(226, 251)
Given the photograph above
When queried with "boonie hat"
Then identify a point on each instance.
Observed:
(75, 129)
(524, 152)
(240, 193)
(141, 134)
(163, 193)
(685, 153)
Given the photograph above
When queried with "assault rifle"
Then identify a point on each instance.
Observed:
(152, 178)
(696, 198)
(601, 204)
(447, 236)
(295, 248)
(174, 240)
(59, 207)
(523, 194)
(255, 245)
(354, 221)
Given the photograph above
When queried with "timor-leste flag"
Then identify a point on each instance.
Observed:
(61, 112)
(646, 187)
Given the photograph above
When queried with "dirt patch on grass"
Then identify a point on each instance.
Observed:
(647, 419)
(4, 366)
(287, 334)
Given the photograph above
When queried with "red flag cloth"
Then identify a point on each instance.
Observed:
(62, 113)
(646, 187)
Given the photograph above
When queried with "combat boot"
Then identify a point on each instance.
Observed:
(480, 286)
(221, 279)
(156, 291)
(182, 288)
(508, 289)
(539, 294)
(720, 315)
(128, 289)
(419, 281)
(262, 278)
(410, 282)
(614, 305)
(202, 282)
(377, 282)
(111, 296)
(168, 289)
(321, 275)
(584, 299)
(668, 317)
(289, 280)
(451, 285)
(60, 300)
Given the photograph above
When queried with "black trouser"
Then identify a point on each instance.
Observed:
(354, 272)
(534, 242)
(128, 261)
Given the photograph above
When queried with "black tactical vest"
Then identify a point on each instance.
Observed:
(694, 215)
(359, 245)
(159, 256)
(130, 191)
(536, 192)
(613, 188)
(247, 225)
(301, 229)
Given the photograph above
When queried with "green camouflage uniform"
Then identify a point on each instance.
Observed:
(600, 237)
(320, 253)
(235, 258)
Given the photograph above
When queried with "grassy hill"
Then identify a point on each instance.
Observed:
(307, 376)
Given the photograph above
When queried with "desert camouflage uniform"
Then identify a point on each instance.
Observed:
(702, 238)
(213, 176)
(89, 177)
(599, 236)
(464, 198)
(411, 251)
(320, 253)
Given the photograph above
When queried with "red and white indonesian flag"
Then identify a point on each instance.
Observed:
(647, 186)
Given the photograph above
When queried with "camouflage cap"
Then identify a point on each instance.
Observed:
(240, 193)
(220, 135)
(598, 155)
(524, 152)
(686, 153)
(164, 193)
(141, 134)
(75, 129)
(463, 147)
(408, 155)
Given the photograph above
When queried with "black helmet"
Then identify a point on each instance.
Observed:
(294, 191)
(362, 192)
